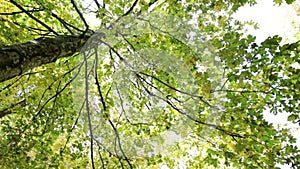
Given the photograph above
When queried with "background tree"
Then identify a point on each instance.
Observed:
(109, 105)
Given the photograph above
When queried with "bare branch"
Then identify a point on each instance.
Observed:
(9, 111)
(81, 16)
(97, 80)
(19, 12)
(33, 17)
(131, 8)
(119, 142)
(97, 4)
(65, 23)
(31, 28)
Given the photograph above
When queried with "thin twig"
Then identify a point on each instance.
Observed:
(131, 8)
(119, 142)
(97, 81)
(33, 17)
(19, 12)
(81, 16)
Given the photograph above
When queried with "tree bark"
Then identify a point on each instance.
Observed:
(19, 58)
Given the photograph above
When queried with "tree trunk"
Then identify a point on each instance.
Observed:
(19, 58)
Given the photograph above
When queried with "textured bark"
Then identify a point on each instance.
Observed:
(19, 58)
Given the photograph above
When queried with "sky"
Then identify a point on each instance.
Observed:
(272, 20)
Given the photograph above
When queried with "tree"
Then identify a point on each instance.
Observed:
(154, 84)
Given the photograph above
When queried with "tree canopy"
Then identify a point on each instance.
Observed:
(142, 84)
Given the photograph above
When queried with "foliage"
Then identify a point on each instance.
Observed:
(171, 83)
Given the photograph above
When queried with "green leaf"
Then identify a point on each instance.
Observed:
(289, 1)
(292, 117)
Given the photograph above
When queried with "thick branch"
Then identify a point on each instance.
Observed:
(19, 58)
